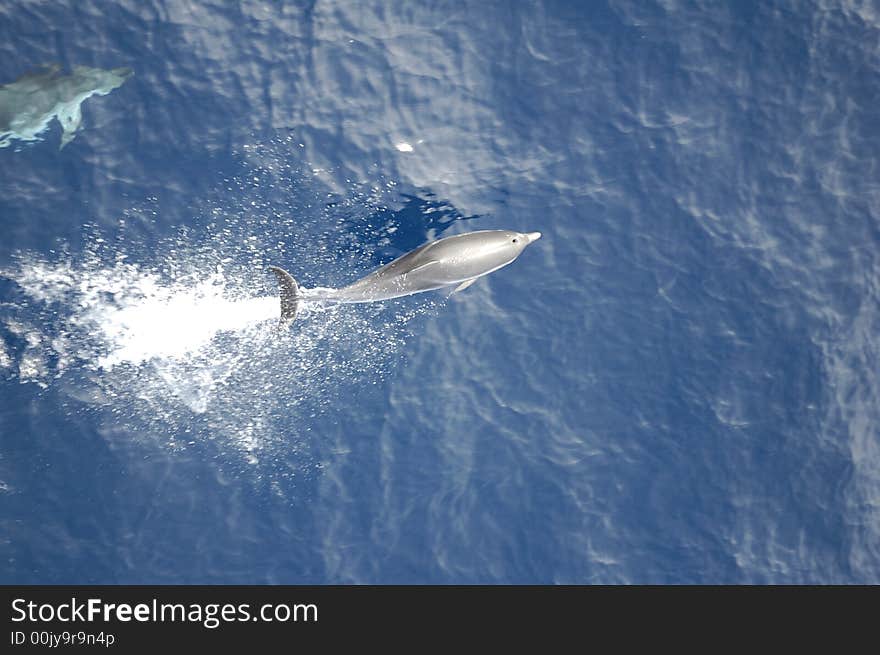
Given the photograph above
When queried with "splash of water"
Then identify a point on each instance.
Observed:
(171, 322)
(174, 337)
(166, 352)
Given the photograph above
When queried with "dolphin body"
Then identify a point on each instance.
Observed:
(458, 260)
(29, 104)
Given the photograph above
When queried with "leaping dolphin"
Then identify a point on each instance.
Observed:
(457, 260)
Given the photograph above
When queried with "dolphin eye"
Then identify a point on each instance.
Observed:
(514, 240)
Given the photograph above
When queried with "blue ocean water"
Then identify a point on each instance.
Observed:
(677, 384)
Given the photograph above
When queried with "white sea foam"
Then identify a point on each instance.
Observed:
(172, 322)
(162, 350)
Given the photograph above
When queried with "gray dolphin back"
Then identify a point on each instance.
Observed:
(452, 261)
(290, 294)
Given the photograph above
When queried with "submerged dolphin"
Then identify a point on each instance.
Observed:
(29, 104)
(457, 260)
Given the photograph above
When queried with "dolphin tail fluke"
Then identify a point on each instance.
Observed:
(290, 295)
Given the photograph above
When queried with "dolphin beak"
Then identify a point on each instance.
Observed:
(533, 236)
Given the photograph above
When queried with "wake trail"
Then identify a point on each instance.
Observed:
(182, 346)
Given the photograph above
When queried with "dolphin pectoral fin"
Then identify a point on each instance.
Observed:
(290, 295)
(464, 285)
(71, 119)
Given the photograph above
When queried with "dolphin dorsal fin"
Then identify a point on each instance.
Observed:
(422, 267)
